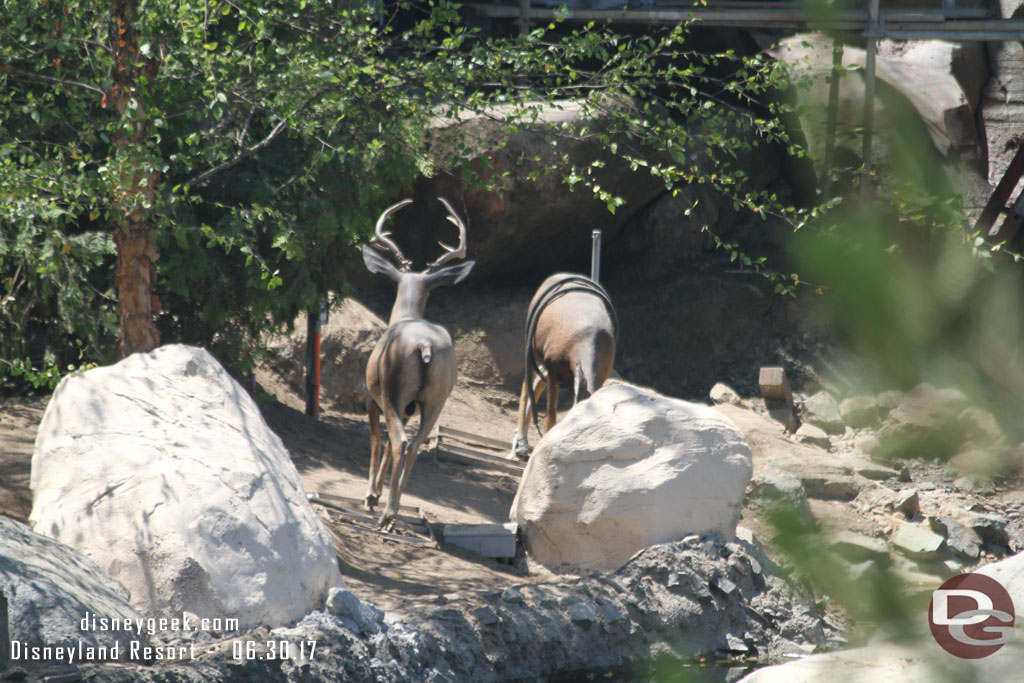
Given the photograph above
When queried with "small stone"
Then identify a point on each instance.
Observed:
(344, 603)
(991, 528)
(865, 443)
(731, 643)
(513, 596)
(972, 483)
(905, 474)
(610, 613)
(723, 584)
(822, 410)
(962, 542)
(485, 616)
(917, 542)
(854, 546)
(877, 472)
(815, 436)
(859, 411)
(746, 535)
(723, 393)
(908, 503)
(582, 613)
(887, 400)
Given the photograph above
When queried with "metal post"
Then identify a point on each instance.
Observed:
(314, 322)
(869, 96)
(595, 256)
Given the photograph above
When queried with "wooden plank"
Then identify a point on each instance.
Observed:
(476, 438)
(357, 504)
(398, 538)
(453, 453)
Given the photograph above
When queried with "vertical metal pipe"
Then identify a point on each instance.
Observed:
(869, 96)
(312, 362)
(595, 256)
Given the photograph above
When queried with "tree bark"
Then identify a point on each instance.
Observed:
(135, 279)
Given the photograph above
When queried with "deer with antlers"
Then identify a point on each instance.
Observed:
(413, 365)
(571, 332)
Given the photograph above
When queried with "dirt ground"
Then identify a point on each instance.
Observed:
(331, 455)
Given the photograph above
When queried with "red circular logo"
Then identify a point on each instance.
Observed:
(971, 616)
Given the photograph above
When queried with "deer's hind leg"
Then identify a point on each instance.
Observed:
(551, 413)
(374, 480)
(398, 448)
(521, 442)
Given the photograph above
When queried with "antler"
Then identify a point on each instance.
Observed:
(452, 253)
(382, 240)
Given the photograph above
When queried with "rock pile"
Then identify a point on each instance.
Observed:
(700, 597)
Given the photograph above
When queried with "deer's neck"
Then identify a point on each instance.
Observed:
(410, 301)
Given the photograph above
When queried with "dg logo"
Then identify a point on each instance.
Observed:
(971, 616)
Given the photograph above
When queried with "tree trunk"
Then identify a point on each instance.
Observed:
(136, 276)
(136, 255)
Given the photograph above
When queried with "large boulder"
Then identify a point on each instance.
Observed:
(942, 114)
(536, 223)
(627, 469)
(1003, 101)
(52, 592)
(161, 470)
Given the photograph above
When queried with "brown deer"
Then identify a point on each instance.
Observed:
(413, 365)
(571, 333)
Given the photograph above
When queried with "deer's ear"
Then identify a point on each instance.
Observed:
(451, 275)
(379, 265)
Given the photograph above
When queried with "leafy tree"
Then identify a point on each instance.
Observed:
(221, 158)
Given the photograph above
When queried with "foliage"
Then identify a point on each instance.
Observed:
(274, 132)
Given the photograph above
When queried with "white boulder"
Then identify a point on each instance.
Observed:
(626, 469)
(162, 471)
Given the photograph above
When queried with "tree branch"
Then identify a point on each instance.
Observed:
(242, 154)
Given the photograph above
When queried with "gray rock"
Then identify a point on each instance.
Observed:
(582, 613)
(51, 589)
(344, 603)
(859, 411)
(723, 393)
(813, 435)
(822, 411)
(858, 547)
(887, 400)
(907, 502)
(972, 483)
(772, 487)
(991, 528)
(917, 542)
(962, 541)
(925, 424)
(876, 472)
